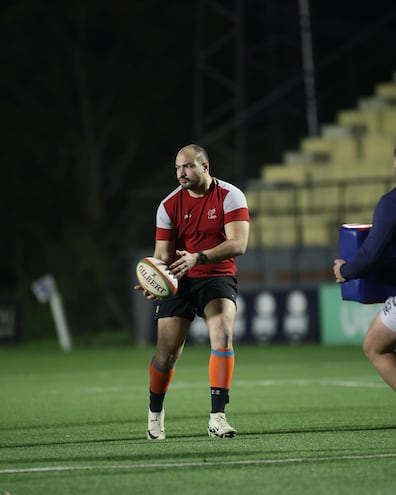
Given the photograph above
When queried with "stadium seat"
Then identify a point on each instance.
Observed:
(319, 147)
(360, 216)
(277, 230)
(371, 102)
(360, 196)
(284, 173)
(389, 122)
(386, 91)
(252, 199)
(317, 229)
(297, 157)
(361, 121)
(276, 200)
(378, 149)
(318, 197)
(337, 150)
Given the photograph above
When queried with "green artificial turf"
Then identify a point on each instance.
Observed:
(310, 420)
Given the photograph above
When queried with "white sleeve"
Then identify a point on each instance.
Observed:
(163, 219)
(234, 200)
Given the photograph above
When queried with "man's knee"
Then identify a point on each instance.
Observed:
(378, 341)
(369, 349)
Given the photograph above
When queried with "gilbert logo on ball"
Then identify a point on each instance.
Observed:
(154, 276)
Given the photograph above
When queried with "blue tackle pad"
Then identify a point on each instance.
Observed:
(367, 290)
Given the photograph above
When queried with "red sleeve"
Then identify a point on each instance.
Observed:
(237, 215)
(165, 234)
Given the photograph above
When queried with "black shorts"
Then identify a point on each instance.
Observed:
(194, 294)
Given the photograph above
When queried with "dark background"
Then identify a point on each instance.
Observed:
(97, 97)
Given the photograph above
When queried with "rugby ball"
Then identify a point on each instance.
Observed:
(154, 276)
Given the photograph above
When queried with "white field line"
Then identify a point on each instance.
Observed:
(307, 382)
(199, 464)
(237, 383)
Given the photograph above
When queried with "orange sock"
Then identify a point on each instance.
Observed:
(221, 368)
(160, 378)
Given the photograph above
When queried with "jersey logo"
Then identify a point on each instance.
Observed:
(212, 214)
(187, 216)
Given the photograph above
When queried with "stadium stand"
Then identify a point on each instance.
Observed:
(331, 179)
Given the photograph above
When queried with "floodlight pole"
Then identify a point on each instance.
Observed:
(308, 68)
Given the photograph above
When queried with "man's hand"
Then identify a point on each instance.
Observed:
(146, 293)
(336, 270)
(185, 262)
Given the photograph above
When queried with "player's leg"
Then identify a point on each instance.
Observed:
(380, 343)
(219, 315)
(171, 336)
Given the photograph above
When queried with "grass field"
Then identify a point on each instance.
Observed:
(310, 420)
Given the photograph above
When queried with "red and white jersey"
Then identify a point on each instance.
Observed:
(197, 224)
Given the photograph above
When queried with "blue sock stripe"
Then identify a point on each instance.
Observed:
(158, 367)
(223, 353)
